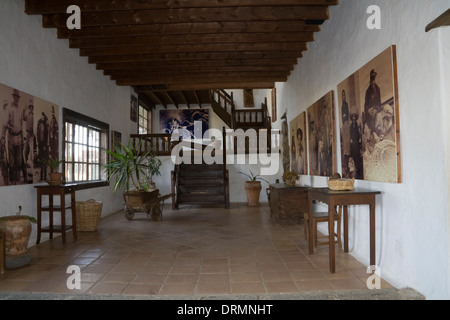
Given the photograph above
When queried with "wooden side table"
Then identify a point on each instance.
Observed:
(345, 199)
(288, 202)
(51, 191)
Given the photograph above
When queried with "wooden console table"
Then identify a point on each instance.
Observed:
(344, 198)
(288, 202)
(51, 191)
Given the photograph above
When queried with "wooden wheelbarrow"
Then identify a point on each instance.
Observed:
(150, 202)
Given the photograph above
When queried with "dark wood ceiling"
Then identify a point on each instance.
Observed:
(187, 46)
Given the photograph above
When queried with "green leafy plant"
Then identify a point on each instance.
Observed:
(52, 163)
(130, 168)
(154, 165)
(252, 177)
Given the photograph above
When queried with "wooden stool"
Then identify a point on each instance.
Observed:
(323, 217)
(2, 253)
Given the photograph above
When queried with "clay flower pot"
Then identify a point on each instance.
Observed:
(17, 231)
(253, 190)
(55, 176)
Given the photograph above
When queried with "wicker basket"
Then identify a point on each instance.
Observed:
(88, 214)
(341, 184)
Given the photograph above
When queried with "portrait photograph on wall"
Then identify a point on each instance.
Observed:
(195, 122)
(322, 146)
(116, 139)
(133, 108)
(274, 104)
(369, 121)
(29, 136)
(299, 150)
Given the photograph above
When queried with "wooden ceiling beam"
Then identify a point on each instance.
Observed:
(197, 99)
(261, 84)
(194, 70)
(197, 48)
(143, 97)
(60, 6)
(192, 75)
(188, 28)
(163, 40)
(204, 64)
(185, 100)
(191, 15)
(155, 96)
(193, 57)
(200, 81)
(172, 101)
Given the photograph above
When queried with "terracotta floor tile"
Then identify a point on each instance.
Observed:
(245, 277)
(142, 289)
(119, 277)
(222, 287)
(281, 287)
(181, 278)
(177, 289)
(108, 288)
(192, 251)
(306, 275)
(276, 276)
(348, 284)
(247, 288)
(314, 285)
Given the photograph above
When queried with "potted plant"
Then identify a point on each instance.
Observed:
(17, 230)
(129, 169)
(55, 175)
(154, 166)
(253, 188)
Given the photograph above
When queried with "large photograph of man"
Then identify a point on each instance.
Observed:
(370, 145)
(299, 150)
(322, 146)
(29, 134)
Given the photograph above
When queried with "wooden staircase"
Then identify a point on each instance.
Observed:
(200, 184)
(222, 104)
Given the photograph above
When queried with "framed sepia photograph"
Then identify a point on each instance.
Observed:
(369, 121)
(322, 145)
(249, 101)
(298, 145)
(133, 108)
(116, 139)
(274, 105)
(29, 137)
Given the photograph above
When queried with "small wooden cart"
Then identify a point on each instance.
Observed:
(151, 203)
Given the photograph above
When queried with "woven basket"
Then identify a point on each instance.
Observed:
(341, 184)
(88, 214)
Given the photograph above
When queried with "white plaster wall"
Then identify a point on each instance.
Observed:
(34, 61)
(258, 96)
(444, 34)
(412, 228)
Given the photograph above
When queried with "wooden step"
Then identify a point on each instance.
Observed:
(201, 189)
(200, 180)
(201, 198)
